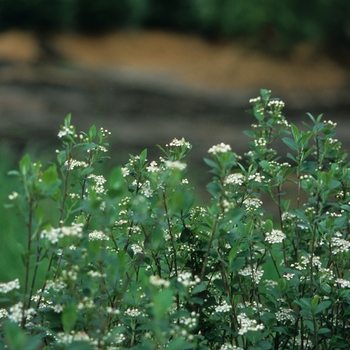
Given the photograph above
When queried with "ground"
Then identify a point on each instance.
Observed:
(149, 86)
(187, 59)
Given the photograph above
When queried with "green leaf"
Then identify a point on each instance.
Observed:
(199, 288)
(268, 225)
(248, 133)
(323, 306)
(69, 317)
(24, 165)
(295, 131)
(323, 331)
(116, 183)
(79, 345)
(162, 302)
(15, 336)
(290, 143)
(143, 156)
(50, 175)
(92, 132)
(310, 325)
(314, 301)
(67, 120)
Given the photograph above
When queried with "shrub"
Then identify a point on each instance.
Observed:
(132, 262)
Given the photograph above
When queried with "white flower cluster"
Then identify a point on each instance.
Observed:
(256, 177)
(55, 285)
(234, 179)
(223, 307)
(73, 163)
(133, 312)
(339, 244)
(220, 148)
(98, 183)
(3, 314)
(285, 315)
(252, 204)
(275, 236)
(305, 262)
(86, 303)
(190, 322)
(343, 283)
(159, 282)
(66, 131)
(64, 338)
(288, 276)
(179, 143)
(260, 142)
(145, 188)
(13, 196)
(175, 165)
(16, 313)
(255, 100)
(9, 286)
(98, 236)
(227, 206)
(112, 311)
(54, 234)
(276, 104)
(153, 167)
(125, 171)
(96, 274)
(253, 305)
(254, 273)
(185, 278)
(105, 132)
(228, 346)
(136, 249)
(247, 324)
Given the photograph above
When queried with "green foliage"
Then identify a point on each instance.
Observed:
(131, 261)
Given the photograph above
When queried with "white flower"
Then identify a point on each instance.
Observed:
(220, 148)
(247, 324)
(185, 278)
(133, 312)
(235, 179)
(339, 244)
(65, 131)
(175, 165)
(136, 249)
(252, 203)
(98, 236)
(73, 163)
(275, 236)
(125, 171)
(54, 234)
(179, 143)
(343, 283)
(285, 315)
(13, 196)
(228, 346)
(255, 274)
(153, 167)
(159, 282)
(9, 286)
(224, 307)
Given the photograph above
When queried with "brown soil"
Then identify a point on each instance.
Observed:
(186, 59)
(149, 87)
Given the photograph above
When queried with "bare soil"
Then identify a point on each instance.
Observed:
(148, 87)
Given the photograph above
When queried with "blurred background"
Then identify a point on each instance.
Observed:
(152, 70)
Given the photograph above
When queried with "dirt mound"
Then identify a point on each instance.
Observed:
(186, 59)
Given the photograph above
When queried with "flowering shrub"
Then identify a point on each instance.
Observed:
(131, 262)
